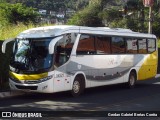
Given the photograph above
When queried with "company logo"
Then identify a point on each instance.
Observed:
(6, 114)
(20, 115)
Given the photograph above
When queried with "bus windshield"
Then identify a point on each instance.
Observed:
(31, 55)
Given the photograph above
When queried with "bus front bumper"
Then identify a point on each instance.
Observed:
(42, 87)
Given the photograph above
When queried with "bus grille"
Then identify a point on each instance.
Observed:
(27, 87)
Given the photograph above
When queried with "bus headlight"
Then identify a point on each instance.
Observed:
(46, 78)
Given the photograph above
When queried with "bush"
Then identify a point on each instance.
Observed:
(15, 13)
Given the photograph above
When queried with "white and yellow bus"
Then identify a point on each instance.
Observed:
(62, 58)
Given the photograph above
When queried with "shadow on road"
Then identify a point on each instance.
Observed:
(106, 98)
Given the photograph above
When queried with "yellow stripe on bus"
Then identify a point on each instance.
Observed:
(149, 67)
(28, 77)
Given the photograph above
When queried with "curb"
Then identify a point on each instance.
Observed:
(10, 94)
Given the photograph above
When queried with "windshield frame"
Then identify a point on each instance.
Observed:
(18, 70)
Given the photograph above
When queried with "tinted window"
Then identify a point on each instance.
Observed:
(131, 45)
(142, 46)
(86, 45)
(103, 45)
(151, 45)
(118, 45)
(63, 49)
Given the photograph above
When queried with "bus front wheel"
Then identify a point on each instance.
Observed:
(77, 87)
(132, 80)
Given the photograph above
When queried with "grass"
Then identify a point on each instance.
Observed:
(11, 31)
(158, 43)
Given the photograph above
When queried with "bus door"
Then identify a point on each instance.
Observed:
(61, 81)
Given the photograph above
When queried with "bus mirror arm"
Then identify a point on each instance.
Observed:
(53, 43)
(5, 43)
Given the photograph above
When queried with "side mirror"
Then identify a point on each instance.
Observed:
(4, 44)
(52, 44)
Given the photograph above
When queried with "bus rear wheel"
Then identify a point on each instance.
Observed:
(77, 87)
(132, 80)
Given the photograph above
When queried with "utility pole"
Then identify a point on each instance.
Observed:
(150, 20)
(149, 3)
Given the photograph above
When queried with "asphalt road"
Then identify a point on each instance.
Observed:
(144, 97)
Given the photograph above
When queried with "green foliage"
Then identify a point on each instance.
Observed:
(111, 15)
(156, 26)
(135, 19)
(132, 4)
(87, 17)
(140, 17)
(15, 13)
(53, 5)
(118, 23)
(2, 1)
(158, 43)
(96, 13)
(81, 4)
(11, 31)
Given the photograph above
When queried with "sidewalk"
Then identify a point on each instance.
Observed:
(10, 93)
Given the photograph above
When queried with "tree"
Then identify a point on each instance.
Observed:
(95, 13)
(14, 13)
(88, 17)
(81, 4)
(111, 15)
(136, 7)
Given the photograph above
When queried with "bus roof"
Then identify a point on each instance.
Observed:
(51, 31)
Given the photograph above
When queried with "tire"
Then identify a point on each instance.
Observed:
(132, 80)
(77, 87)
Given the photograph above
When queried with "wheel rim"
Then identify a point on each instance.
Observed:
(132, 80)
(76, 86)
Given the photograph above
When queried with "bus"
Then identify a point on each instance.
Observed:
(71, 58)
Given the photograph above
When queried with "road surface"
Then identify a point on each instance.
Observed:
(144, 97)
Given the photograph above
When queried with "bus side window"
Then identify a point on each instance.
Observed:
(118, 45)
(103, 45)
(151, 45)
(131, 45)
(86, 45)
(142, 46)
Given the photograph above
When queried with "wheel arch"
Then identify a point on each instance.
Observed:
(81, 75)
(134, 71)
(78, 85)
